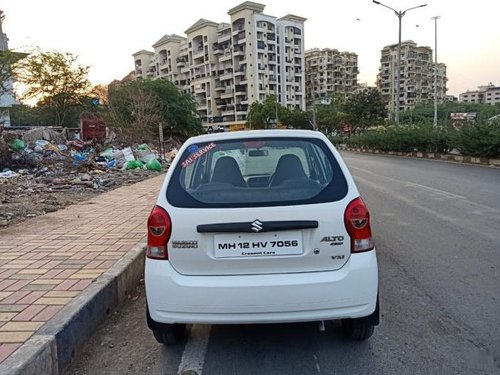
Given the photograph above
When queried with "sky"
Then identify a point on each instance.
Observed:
(105, 33)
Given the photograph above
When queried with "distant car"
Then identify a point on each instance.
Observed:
(263, 226)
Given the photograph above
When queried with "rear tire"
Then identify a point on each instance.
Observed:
(169, 334)
(358, 329)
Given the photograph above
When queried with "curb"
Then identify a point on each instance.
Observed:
(51, 348)
(495, 163)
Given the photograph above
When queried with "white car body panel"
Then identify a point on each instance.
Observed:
(324, 282)
(348, 293)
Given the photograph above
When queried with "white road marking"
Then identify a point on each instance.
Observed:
(317, 363)
(408, 183)
(193, 356)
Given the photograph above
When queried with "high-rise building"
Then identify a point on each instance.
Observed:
(416, 76)
(328, 73)
(7, 98)
(228, 66)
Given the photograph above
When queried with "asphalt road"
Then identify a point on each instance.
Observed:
(437, 230)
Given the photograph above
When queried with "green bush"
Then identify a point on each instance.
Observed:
(405, 138)
(480, 138)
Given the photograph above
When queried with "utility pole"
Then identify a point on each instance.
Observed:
(400, 15)
(435, 18)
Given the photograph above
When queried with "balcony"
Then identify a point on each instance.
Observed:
(226, 57)
(239, 53)
(228, 112)
(239, 72)
(226, 76)
(181, 61)
(218, 50)
(199, 89)
(223, 38)
(227, 94)
(238, 29)
(201, 105)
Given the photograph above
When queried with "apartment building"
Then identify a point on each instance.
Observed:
(328, 73)
(416, 76)
(7, 98)
(228, 66)
(488, 94)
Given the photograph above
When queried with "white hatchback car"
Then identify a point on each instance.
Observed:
(263, 226)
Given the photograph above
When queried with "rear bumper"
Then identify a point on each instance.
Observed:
(350, 292)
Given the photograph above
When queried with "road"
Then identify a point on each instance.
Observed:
(437, 231)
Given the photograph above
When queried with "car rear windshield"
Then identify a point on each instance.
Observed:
(256, 172)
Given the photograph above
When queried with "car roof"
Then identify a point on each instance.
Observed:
(256, 134)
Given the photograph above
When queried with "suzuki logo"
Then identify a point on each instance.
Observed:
(257, 226)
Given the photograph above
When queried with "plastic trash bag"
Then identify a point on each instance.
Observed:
(17, 145)
(134, 164)
(153, 165)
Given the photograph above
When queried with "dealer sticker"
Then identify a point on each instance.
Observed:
(197, 154)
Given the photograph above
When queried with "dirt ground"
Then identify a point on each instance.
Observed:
(36, 193)
(113, 349)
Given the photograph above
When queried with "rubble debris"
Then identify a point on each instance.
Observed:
(44, 172)
(46, 134)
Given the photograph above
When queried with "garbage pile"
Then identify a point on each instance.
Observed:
(43, 172)
(46, 147)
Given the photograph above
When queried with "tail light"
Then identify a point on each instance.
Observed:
(159, 230)
(357, 222)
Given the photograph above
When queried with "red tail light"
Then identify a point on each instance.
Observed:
(159, 230)
(357, 223)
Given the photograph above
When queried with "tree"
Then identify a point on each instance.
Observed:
(365, 109)
(296, 118)
(55, 80)
(264, 115)
(138, 107)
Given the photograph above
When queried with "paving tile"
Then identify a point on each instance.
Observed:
(7, 349)
(44, 268)
(47, 313)
(86, 276)
(17, 285)
(5, 317)
(32, 297)
(12, 308)
(14, 297)
(28, 313)
(21, 326)
(46, 281)
(10, 337)
(53, 301)
(66, 285)
(81, 284)
(33, 271)
(62, 293)
(34, 287)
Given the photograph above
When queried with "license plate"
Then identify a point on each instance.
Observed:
(258, 244)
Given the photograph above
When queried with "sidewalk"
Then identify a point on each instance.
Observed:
(48, 262)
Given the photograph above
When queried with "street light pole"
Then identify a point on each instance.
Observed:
(400, 15)
(435, 18)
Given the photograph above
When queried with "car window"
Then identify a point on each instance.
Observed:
(256, 172)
